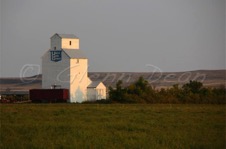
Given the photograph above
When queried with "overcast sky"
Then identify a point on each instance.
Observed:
(116, 35)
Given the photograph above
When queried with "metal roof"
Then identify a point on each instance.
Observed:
(94, 84)
(67, 36)
(75, 53)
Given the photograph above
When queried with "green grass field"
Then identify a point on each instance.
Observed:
(112, 126)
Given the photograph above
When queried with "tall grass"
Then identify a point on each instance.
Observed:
(112, 126)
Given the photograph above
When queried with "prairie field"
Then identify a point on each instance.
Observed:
(73, 126)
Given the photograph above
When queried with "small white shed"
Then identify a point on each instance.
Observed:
(96, 91)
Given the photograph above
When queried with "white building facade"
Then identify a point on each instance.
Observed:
(96, 91)
(65, 65)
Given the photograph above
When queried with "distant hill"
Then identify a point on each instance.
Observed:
(214, 78)
(210, 78)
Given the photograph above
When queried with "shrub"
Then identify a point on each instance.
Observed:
(192, 92)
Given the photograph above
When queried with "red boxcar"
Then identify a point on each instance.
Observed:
(49, 95)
